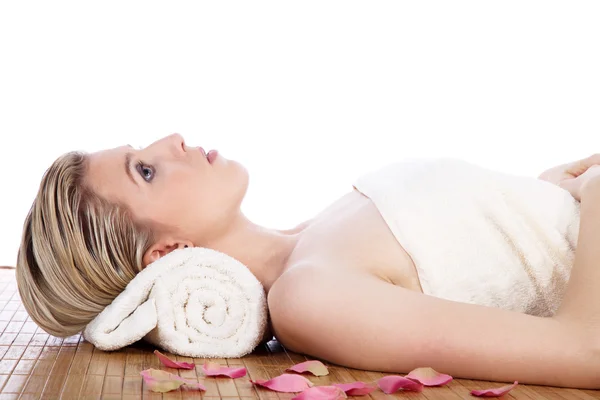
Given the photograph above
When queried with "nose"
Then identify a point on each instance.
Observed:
(177, 141)
(174, 142)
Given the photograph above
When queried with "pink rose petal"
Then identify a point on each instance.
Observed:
(285, 383)
(356, 388)
(163, 381)
(429, 377)
(315, 367)
(173, 364)
(494, 392)
(392, 383)
(322, 393)
(158, 383)
(215, 369)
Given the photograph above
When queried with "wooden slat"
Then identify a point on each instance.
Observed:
(35, 365)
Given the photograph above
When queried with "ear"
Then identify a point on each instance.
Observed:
(163, 247)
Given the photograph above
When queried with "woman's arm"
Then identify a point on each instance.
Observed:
(361, 322)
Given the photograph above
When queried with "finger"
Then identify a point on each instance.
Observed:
(579, 167)
(570, 184)
(594, 159)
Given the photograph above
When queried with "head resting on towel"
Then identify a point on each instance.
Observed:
(97, 221)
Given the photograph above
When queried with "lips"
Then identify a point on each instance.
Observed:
(212, 155)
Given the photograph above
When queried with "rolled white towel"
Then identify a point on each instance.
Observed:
(193, 302)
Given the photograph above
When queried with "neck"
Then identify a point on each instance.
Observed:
(264, 251)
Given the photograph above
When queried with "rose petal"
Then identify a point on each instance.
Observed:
(429, 377)
(356, 388)
(215, 369)
(158, 383)
(166, 361)
(322, 393)
(494, 392)
(285, 383)
(391, 383)
(163, 381)
(315, 367)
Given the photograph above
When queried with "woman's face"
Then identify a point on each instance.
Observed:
(172, 185)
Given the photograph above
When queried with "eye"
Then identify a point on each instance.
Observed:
(145, 171)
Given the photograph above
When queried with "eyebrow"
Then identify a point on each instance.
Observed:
(128, 157)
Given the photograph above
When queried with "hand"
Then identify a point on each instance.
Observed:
(569, 171)
(576, 186)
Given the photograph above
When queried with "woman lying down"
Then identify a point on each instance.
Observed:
(439, 263)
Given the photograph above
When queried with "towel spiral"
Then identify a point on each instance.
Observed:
(213, 301)
(194, 302)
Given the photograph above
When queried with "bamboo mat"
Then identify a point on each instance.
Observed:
(35, 365)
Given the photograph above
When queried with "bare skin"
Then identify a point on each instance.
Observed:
(343, 273)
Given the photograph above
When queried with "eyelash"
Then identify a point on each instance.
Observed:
(140, 167)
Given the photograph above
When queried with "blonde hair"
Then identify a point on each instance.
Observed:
(78, 251)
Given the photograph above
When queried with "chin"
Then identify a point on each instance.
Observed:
(237, 178)
(239, 170)
(244, 179)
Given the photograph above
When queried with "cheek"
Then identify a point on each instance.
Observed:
(188, 197)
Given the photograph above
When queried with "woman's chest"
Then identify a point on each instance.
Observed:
(351, 234)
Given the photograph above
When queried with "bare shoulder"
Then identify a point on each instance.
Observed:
(352, 236)
(295, 295)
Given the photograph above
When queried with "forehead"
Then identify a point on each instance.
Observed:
(106, 174)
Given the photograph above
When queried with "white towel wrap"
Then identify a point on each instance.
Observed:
(479, 236)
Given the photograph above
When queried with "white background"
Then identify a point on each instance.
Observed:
(307, 95)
